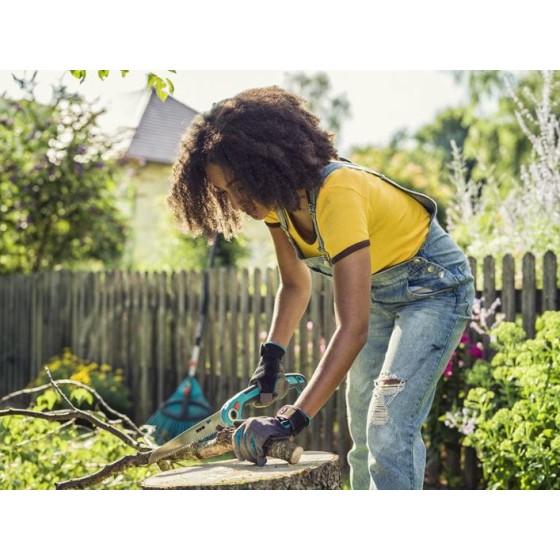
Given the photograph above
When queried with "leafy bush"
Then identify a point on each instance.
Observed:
(109, 383)
(512, 413)
(38, 453)
(59, 185)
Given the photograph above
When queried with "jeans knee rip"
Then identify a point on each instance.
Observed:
(387, 387)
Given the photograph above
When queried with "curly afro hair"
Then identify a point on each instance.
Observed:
(271, 143)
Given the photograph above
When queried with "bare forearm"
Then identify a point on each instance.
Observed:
(341, 352)
(289, 306)
(352, 285)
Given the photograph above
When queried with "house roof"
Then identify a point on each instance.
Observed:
(160, 129)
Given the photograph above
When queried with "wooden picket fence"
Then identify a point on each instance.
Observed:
(145, 323)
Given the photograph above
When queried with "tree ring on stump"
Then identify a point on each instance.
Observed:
(316, 470)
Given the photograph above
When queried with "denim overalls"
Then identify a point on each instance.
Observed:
(419, 310)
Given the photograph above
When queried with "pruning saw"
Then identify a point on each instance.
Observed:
(233, 410)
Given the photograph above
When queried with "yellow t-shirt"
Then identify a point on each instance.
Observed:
(356, 209)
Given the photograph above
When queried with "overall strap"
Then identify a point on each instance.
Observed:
(284, 225)
(313, 195)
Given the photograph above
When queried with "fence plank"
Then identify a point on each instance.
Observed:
(244, 347)
(474, 270)
(256, 308)
(550, 289)
(529, 295)
(160, 340)
(508, 287)
(489, 281)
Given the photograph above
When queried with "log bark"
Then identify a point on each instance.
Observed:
(316, 470)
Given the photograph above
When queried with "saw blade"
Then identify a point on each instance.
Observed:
(198, 432)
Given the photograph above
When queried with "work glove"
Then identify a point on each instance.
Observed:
(269, 375)
(252, 436)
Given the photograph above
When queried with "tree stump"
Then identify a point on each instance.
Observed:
(316, 470)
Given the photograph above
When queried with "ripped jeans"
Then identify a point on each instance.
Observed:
(419, 309)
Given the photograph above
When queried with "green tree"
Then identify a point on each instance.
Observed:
(182, 252)
(57, 185)
(495, 140)
(450, 125)
(317, 89)
(414, 167)
(497, 216)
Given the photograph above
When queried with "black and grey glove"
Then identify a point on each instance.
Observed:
(269, 374)
(252, 436)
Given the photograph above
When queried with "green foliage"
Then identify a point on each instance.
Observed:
(181, 252)
(188, 253)
(57, 186)
(503, 204)
(449, 126)
(515, 405)
(415, 169)
(108, 382)
(163, 86)
(37, 454)
(332, 110)
(494, 139)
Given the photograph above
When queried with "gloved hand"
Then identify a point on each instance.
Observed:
(252, 436)
(269, 375)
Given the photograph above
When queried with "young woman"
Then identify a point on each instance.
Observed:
(402, 289)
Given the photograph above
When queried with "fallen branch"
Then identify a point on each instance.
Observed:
(220, 445)
(66, 415)
(126, 462)
(286, 450)
(122, 417)
(74, 412)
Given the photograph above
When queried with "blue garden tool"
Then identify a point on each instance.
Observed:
(187, 405)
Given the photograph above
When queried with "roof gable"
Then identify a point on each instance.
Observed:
(160, 129)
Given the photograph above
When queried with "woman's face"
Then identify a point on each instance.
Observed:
(223, 180)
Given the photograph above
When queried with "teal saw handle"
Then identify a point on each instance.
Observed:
(234, 409)
(296, 381)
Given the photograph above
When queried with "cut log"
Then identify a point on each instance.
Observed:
(316, 470)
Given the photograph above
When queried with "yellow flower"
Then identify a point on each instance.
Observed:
(55, 364)
(82, 376)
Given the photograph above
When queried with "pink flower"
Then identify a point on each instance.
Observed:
(465, 337)
(477, 352)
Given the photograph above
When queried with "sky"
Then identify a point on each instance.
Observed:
(381, 101)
